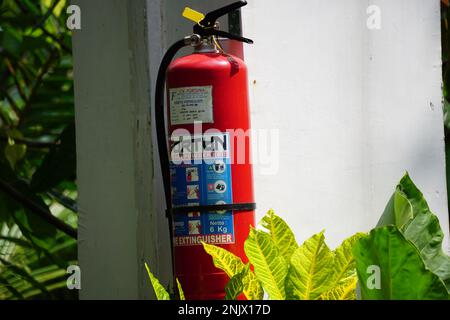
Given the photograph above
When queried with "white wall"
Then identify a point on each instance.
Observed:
(354, 107)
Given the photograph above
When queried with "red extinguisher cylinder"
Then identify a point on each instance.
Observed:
(209, 88)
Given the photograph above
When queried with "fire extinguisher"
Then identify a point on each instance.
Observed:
(205, 164)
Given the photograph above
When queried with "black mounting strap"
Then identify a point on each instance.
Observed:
(250, 206)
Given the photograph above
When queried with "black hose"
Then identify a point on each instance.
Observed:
(161, 132)
(160, 116)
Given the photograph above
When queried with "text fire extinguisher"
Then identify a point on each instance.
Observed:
(205, 163)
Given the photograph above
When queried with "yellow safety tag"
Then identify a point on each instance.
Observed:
(193, 15)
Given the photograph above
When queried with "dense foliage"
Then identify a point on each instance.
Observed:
(37, 150)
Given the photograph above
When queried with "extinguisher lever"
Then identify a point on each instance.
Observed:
(208, 27)
(210, 18)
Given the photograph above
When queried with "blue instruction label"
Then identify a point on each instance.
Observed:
(201, 175)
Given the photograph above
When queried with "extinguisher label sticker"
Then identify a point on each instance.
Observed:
(201, 175)
(190, 104)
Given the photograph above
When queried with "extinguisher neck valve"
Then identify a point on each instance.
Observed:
(193, 40)
(207, 46)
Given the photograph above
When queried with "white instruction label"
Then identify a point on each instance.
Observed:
(191, 104)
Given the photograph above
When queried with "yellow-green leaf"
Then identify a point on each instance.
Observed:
(345, 291)
(232, 265)
(224, 260)
(161, 293)
(311, 271)
(252, 287)
(180, 290)
(281, 234)
(344, 262)
(343, 283)
(235, 286)
(270, 267)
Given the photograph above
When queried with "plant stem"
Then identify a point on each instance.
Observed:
(37, 209)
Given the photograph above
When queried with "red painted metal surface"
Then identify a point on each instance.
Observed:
(228, 77)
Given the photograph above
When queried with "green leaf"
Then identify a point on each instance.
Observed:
(270, 267)
(232, 265)
(281, 234)
(161, 293)
(402, 273)
(14, 153)
(311, 272)
(413, 194)
(235, 285)
(419, 225)
(425, 233)
(397, 212)
(180, 290)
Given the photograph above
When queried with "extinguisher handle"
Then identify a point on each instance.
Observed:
(211, 17)
(228, 35)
